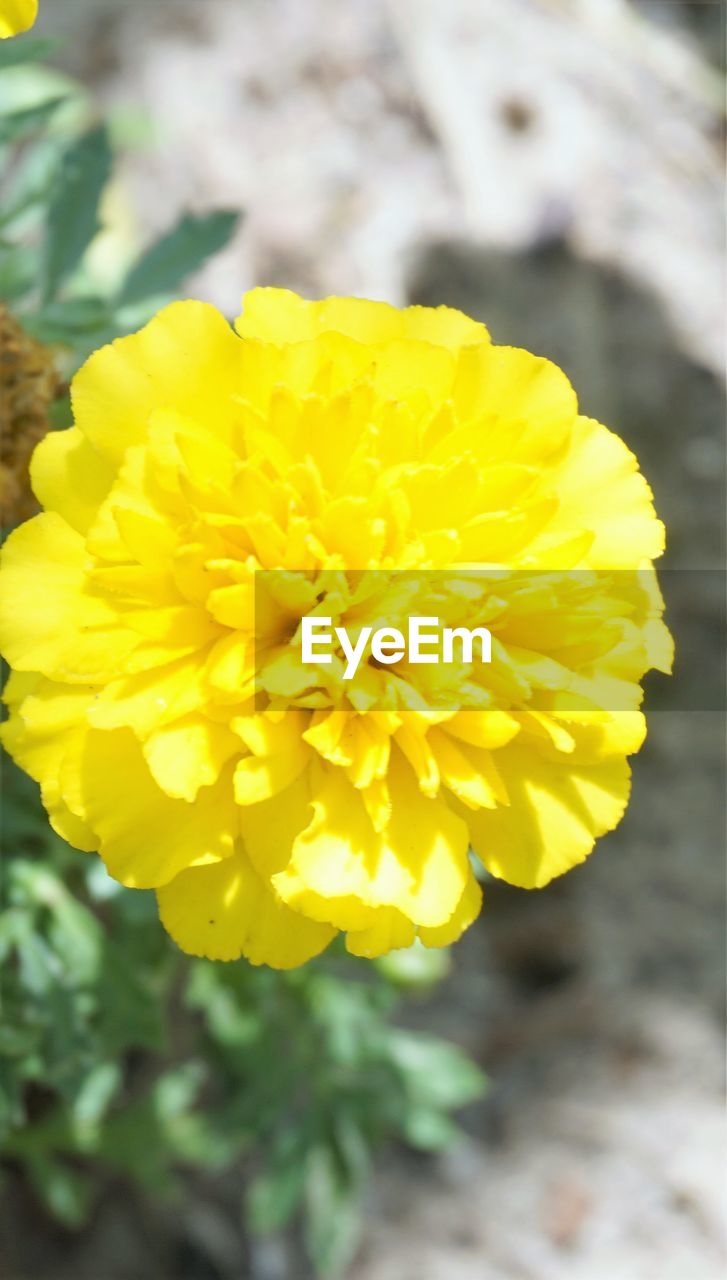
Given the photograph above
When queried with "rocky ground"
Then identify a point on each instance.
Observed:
(552, 167)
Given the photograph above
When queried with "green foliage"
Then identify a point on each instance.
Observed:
(73, 212)
(54, 172)
(161, 270)
(119, 1056)
(15, 125)
(28, 49)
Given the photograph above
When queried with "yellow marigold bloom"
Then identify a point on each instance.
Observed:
(162, 705)
(16, 16)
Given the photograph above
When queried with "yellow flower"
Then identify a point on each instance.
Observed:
(354, 451)
(16, 16)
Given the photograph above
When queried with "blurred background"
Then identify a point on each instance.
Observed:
(553, 167)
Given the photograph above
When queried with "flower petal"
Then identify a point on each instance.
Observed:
(557, 809)
(68, 476)
(187, 358)
(16, 16)
(389, 931)
(226, 911)
(465, 913)
(46, 729)
(49, 622)
(600, 488)
(188, 754)
(146, 838)
(341, 867)
(277, 315)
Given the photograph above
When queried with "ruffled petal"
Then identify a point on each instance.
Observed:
(227, 911)
(341, 867)
(389, 931)
(600, 489)
(49, 621)
(45, 730)
(188, 754)
(69, 477)
(187, 359)
(515, 407)
(557, 809)
(465, 913)
(277, 315)
(145, 837)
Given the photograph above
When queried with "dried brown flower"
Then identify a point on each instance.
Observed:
(29, 382)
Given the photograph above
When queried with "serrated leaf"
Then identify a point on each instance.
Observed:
(72, 219)
(165, 266)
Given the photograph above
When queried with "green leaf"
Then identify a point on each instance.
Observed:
(164, 266)
(437, 1075)
(176, 1091)
(59, 413)
(70, 320)
(72, 219)
(166, 1128)
(18, 272)
(92, 1102)
(416, 967)
(17, 1041)
(333, 1212)
(38, 966)
(24, 49)
(16, 124)
(27, 187)
(12, 1112)
(276, 1193)
(62, 1189)
(274, 1197)
(77, 939)
(429, 1130)
(130, 1007)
